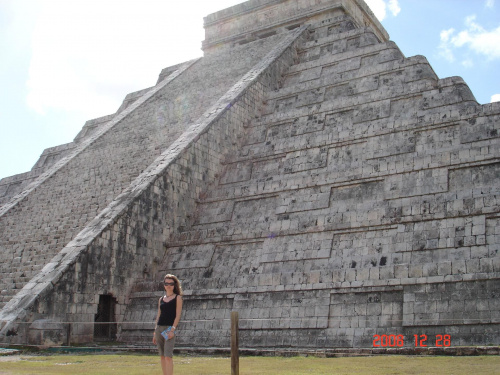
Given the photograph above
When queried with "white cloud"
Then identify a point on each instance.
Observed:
(445, 34)
(379, 7)
(80, 60)
(88, 54)
(490, 3)
(394, 7)
(475, 38)
(495, 98)
(468, 63)
(444, 47)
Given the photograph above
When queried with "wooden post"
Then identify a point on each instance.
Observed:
(235, 337)
(68, 335)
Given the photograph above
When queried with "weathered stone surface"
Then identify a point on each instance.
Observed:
(322, 184)
(45, 332)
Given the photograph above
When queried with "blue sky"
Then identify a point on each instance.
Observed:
(64, 62)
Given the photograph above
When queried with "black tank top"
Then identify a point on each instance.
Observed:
(168, 311)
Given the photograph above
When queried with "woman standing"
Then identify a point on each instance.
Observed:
(169, 314)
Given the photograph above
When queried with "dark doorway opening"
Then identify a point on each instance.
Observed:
(105, 324)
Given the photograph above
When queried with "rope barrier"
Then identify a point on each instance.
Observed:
(273, 319)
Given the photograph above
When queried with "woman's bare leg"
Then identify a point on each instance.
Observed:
(169, 364)
(164, 369)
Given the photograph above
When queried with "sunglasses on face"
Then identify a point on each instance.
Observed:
(169, 284)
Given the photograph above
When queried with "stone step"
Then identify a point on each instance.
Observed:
(386, 85)
(403, 72)
(324, 31)
(393, 148)
(7, 294)
(265, 214)
(288, 184)
(374, 163)
(331, 26)
(281, 132)
(268, 151)
(433, 95)
(354, 55)
(384, 61)
(362, 248)
(376, 257)
(338, 44)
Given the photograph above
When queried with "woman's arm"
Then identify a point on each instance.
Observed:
(178, 312)
(158, 314)
(156, 321)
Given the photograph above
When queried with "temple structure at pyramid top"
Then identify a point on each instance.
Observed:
(303, 172)
(257, 19)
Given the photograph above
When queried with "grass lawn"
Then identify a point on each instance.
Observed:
(137, 364)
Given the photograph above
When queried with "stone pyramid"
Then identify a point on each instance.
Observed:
(303, 173)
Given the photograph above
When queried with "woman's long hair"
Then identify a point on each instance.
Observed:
(177, 286)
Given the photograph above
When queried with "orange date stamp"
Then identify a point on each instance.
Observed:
(419, 341)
